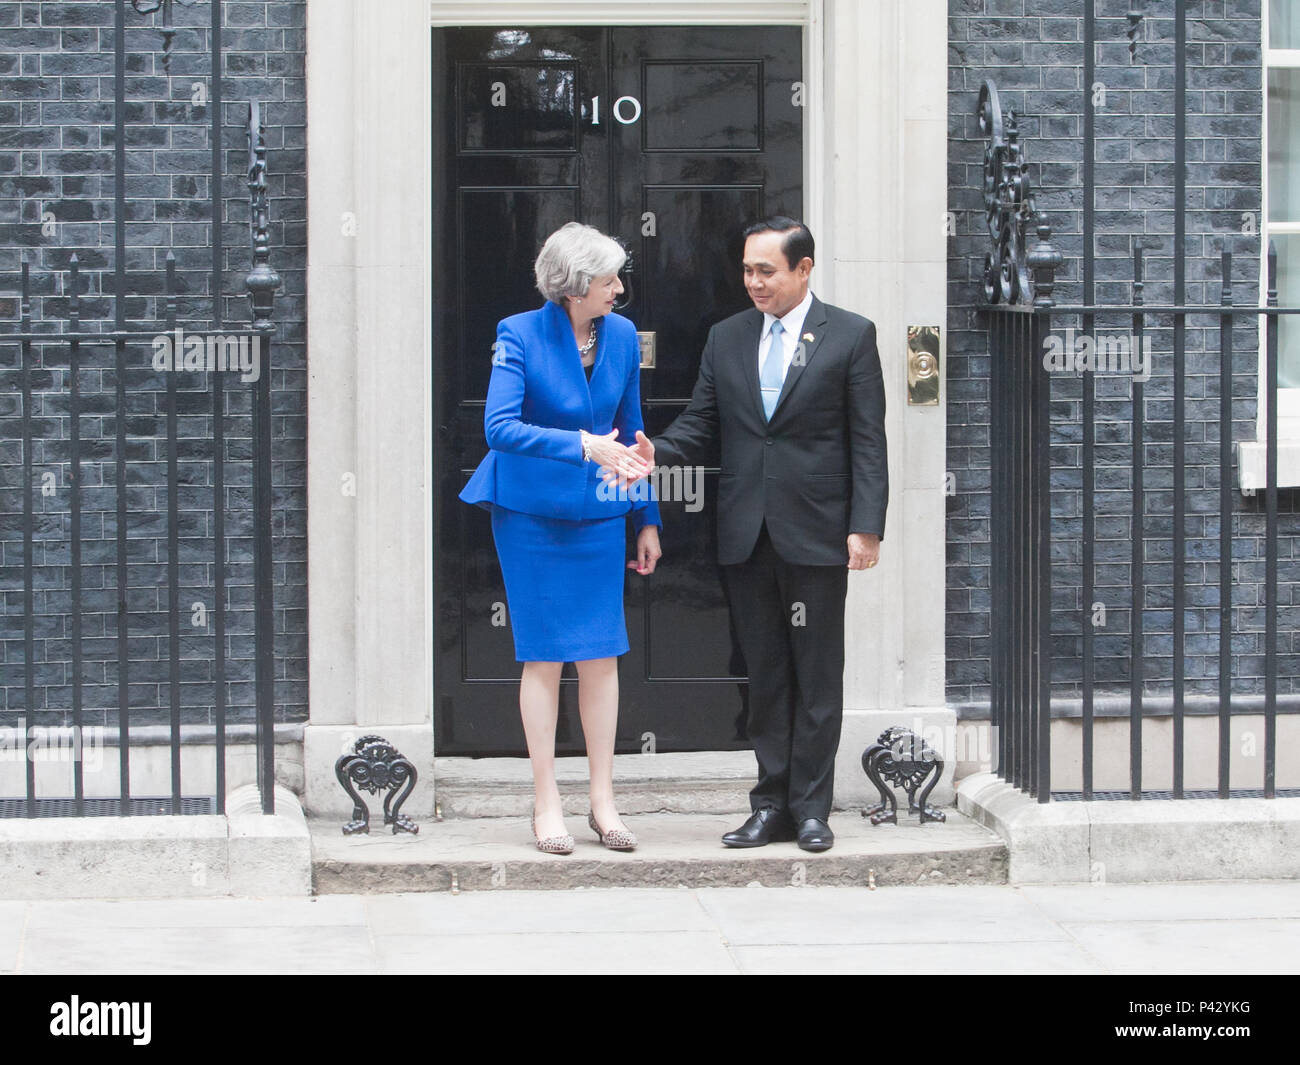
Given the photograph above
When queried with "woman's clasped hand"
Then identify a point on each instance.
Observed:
(616, 461)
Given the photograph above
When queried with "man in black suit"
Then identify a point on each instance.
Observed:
(793, 393)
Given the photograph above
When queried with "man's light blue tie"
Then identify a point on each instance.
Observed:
(773, 375)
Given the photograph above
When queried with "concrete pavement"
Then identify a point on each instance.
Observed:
(1183, 928)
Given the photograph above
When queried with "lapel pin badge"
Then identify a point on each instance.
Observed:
(809, 337)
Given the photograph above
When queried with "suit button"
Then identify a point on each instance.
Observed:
(769, 441)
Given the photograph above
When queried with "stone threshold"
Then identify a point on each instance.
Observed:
(715, 782)
(675, 850)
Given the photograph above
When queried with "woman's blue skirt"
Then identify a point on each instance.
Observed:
(564, 585)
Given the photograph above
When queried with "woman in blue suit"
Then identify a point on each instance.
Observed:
(564, 395)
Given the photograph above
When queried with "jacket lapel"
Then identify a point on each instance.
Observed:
(564, 350)
(752, 331)
(814, 325)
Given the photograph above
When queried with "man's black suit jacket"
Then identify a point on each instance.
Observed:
(818, 470)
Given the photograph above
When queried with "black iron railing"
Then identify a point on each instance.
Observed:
(1023, 432)
(1027, 430)
(46, 347)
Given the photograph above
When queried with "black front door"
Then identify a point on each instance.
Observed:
(672, 140)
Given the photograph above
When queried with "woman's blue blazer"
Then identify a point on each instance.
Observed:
(538, 398)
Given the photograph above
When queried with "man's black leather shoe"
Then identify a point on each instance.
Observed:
(764, 826)
(815, 835)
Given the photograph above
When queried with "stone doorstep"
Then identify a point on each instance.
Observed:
(487, 853)
(499, 798)
(716, 782)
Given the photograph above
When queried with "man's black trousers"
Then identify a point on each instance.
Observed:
(789, 620)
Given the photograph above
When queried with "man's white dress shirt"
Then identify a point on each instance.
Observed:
(792, 324)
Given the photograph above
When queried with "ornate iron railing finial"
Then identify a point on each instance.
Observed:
(1009, 210)
(1135, 17)
(148, 7)
(262, 281)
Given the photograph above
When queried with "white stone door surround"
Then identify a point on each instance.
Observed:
(876, 196)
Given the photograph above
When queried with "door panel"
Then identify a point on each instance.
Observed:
(702, 107)
(687, 286)
(672, 140)
(518, 107)
(499, 226)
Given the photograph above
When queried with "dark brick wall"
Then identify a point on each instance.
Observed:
(56, 199)
(1033, 50)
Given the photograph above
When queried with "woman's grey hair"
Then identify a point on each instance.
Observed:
(571, 257)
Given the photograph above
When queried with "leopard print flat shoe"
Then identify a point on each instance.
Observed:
(616, 839)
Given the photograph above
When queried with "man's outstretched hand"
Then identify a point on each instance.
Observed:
(642, 449)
